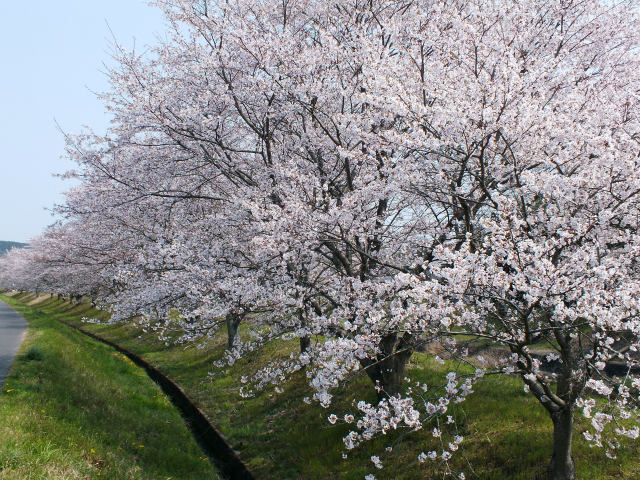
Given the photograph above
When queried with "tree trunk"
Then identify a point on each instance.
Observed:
(305, 343)
(393, 376)
(386, 374)
(562, 466)
(233, 322)
(387, 370)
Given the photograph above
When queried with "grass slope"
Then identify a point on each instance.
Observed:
(72, 408)
(507, 433)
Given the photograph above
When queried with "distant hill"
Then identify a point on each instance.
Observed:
(5, 246)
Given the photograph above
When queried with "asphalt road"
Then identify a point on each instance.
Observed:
(12, 328)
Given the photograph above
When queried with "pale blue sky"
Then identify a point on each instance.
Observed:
(51, 58)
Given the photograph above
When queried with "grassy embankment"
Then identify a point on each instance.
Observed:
(507, 434)
(73, 408)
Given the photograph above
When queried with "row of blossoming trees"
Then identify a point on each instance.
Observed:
(369, 176)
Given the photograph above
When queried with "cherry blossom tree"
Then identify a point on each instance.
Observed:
(377, 175)
(14, 270)
(551, 159)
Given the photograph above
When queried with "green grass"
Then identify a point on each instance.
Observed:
(73, 408)
(507, 433)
